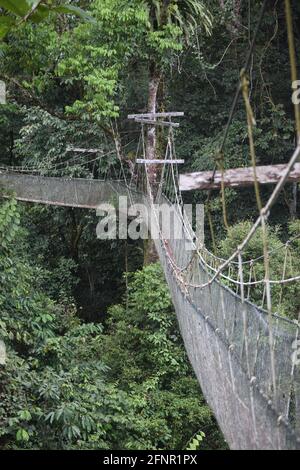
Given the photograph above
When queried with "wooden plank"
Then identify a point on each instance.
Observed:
(236, 178)
(159, 162)
(155, 115)
(157, 123)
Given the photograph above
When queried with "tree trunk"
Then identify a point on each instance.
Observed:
(154, 79)
(76, 232)
(293, 206)
(150, 254)
(11, 148)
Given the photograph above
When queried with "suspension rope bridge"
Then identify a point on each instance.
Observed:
(245, 355)
(226, 336)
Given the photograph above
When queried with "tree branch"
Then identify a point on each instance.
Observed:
(31, 12)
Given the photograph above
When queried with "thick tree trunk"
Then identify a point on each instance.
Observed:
(11, 148)
(150, 254)
(76, 232)
(293, 206)
(154, 79)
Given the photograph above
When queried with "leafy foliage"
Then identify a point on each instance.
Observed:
(17, 12)
(147, 359)
(284, 262)
(196, 441)
(68, 385)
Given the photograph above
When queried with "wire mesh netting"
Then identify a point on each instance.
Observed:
(227, 340)
(69, 192)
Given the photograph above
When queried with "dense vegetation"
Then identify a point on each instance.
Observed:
(94, 356)
(73, 384)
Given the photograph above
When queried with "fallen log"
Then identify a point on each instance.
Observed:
(236, 178)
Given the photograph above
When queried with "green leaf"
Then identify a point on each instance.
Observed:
(18, 7)
(6, 22)
(73, 10)
(40, 14)
(22, 435)
(25, 415)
